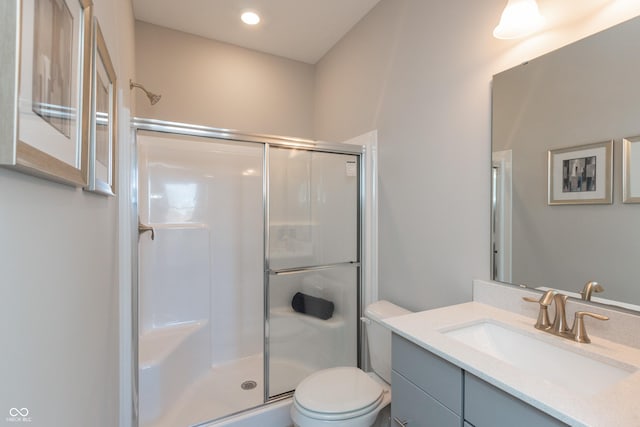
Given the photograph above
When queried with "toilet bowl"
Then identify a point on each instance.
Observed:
(348, 396)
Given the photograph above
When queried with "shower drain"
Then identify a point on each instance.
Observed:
(248, 385)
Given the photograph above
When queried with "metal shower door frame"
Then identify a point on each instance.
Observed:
(184, 129)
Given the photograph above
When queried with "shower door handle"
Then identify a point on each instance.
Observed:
(313, 268)
(143, 228)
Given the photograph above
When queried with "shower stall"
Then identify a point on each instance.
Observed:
(249, 268)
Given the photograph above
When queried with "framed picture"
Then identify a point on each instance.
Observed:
(631, 170)
(581, 175)
(102, 151)
(44, 70)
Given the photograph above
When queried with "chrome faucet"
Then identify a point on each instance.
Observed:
(589, 288)
(559, 327)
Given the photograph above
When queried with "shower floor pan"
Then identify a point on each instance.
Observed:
(219, 392)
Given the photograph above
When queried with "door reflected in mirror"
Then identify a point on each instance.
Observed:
(631, 170)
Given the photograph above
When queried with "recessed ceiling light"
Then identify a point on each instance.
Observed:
(250, 18)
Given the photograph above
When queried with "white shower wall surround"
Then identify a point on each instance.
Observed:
(177, 263)
(174, 313)
(202, 280)
(197, 185)
(201, 296)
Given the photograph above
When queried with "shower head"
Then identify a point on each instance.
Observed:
(153, 98)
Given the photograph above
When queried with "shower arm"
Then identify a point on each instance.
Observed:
(153, 98)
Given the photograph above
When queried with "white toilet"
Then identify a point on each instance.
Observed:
(347, 396)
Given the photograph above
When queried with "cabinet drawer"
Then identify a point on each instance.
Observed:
(414, 407)
(487, 406)
(439, 378)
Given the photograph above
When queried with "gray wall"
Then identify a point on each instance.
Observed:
(216, 84)
(426, 89)
(420, 72)
(60, 318)
(584, 93)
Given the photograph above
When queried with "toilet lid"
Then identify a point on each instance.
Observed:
(337, 390)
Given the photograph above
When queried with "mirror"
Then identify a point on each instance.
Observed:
(584, 93)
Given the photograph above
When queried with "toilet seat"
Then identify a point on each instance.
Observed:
(337, 394)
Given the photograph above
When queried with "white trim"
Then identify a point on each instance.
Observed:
(273, 414)
(503, 161)
(127, 263)
(369, 142)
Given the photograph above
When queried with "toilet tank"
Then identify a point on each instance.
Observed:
(379, 336)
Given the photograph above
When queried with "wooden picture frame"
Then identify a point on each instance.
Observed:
(44, 90)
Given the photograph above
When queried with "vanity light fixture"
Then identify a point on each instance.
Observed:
(519, 18)
(250, 18)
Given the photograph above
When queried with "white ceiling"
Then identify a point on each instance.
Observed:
(303, 30)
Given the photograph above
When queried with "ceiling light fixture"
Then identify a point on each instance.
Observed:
(519, 18)
(250, 18)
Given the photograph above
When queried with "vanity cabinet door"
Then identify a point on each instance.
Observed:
(412, 407)
(487, 406)
(434, 375)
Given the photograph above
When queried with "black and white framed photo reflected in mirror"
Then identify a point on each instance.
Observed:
(581, 175)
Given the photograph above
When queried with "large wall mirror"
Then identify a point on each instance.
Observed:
(553, 106)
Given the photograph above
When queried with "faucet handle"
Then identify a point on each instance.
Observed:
(579, 331)
(543, 315)
(544, 300)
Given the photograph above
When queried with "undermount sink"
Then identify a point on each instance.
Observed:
(561, 366)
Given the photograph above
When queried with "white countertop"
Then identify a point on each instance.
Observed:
(615, 406)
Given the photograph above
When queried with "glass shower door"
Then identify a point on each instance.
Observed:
(201, 302)
(313, 270)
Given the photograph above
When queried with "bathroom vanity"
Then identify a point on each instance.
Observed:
(476, 365)
(429, 391)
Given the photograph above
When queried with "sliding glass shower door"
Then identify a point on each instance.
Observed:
(313, 269)
(201, 300)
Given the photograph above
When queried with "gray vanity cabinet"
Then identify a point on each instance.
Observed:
(426, 390)
(488, 406)
(429, 391)
(413, 407)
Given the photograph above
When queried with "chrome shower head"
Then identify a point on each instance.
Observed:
(153, 98)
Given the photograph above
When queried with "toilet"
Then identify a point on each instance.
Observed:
(348, 396)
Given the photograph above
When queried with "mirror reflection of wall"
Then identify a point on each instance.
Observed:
(584, 93)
